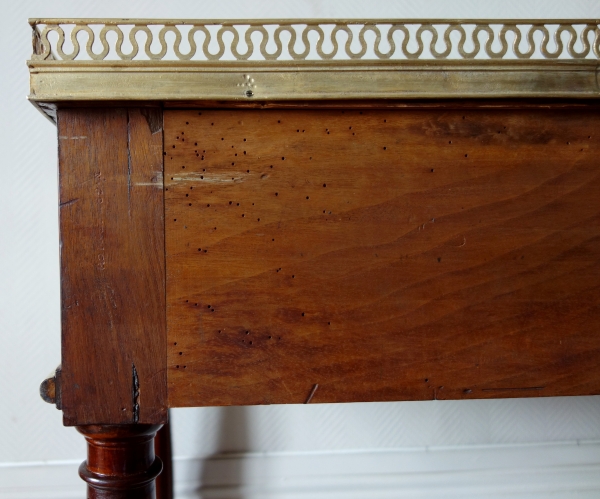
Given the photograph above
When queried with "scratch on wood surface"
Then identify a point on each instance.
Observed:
(312, 393)
(109, 295)
(214, 178)
(69, 202)
(286, 388)
(128, 166)
(518, 388)
(101, 265)
(422, 227)
(77, 137)
(145, 184)
(156, 181)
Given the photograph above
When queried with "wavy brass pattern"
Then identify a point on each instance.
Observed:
(405, 39)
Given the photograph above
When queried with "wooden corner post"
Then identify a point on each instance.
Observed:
(113, 378)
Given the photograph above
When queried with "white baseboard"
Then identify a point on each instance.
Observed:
(536, 471)
(41, 480)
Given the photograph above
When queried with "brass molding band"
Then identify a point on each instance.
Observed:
(289, 83)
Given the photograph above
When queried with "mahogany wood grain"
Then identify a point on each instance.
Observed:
(121, 463)
(373, 255)
(112, 266)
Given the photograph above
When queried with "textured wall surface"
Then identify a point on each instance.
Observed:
(256, 451)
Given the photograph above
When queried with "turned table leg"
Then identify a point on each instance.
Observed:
(121, 463)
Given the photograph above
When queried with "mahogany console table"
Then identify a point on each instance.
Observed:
(287, 212)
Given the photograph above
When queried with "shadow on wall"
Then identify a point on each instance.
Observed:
(232, 437)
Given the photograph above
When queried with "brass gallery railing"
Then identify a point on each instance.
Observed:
(107, 59)
(398, 36)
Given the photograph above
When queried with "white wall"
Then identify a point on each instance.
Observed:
(503, 448)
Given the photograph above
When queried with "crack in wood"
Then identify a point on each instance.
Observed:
(136, 394)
